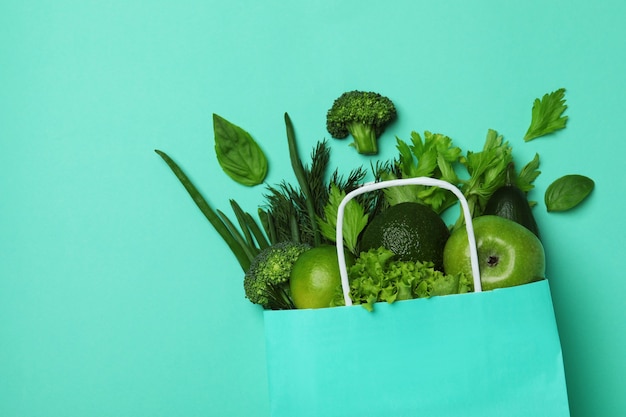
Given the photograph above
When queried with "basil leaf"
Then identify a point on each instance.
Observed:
(567, 192)
(238, 154)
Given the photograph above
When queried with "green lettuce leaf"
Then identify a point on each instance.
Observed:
(377, 276)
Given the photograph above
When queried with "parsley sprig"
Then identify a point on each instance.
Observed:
(547, 115)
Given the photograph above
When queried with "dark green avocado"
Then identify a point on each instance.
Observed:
(413, 231)
(511, 203)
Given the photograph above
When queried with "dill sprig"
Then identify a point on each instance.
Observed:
(286, 214)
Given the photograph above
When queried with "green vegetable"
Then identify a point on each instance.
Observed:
(527, 176)
(290, 211)
(547, 115)
(377, 276)
(487, 173)
(510, 202)
(287, 209)
(362, 114)
(567, 192)
(238, 154)
(267, 280)
(244, 246)
(433, 156)
(301, 176)
(354, 219)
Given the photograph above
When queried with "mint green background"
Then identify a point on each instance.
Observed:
(116, 296)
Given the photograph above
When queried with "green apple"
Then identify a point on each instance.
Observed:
(508, 253)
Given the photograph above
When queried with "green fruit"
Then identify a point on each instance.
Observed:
(508, 253)
(511, 203)
(315, 277)
(413, 231)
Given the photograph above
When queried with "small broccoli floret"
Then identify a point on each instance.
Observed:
(362, 114)
(267, 280)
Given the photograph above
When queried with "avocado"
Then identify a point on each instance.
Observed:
(510, 202)
(413, 231)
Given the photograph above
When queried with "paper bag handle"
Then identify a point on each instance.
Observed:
(372, 186)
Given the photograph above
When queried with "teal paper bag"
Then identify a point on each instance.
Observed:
(481, 354)
(489, 354)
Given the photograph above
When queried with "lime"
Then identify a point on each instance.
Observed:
(315, 277)
(413, 231)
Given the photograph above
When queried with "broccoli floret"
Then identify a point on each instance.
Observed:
(362, 114)
(267, 280)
